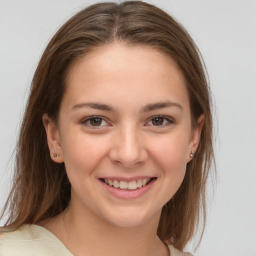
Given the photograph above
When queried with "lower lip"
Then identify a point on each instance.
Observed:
(128, 194)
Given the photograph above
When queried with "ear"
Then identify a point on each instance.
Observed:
(195, 136)
(53, 139)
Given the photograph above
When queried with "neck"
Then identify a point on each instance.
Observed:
(87, 233)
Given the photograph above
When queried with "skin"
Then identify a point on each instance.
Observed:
(125, 142)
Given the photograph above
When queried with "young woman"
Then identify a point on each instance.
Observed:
(116, 142)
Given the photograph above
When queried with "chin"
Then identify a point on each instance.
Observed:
(132, 218)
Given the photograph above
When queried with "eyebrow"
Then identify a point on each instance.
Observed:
(160, 105)
(147, 108)
(94, 105)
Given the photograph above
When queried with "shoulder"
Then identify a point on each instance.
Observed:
(30, 240)
(175, 252)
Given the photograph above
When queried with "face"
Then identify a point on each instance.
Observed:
(124, 133)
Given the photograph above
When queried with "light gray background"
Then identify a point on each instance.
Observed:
(225, 32)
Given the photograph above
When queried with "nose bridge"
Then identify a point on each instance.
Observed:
(128, 148)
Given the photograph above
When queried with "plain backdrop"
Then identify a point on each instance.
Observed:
(225, 32)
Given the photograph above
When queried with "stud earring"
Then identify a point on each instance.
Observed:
(192, 154)
(55, 155)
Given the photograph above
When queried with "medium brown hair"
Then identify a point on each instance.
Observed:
(41, 188)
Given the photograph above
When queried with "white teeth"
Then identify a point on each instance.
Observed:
(139, 183)
(123, 185)
(116, 184)
(144, 181)
(131, 185)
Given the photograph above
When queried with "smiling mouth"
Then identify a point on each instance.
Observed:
(128, 185)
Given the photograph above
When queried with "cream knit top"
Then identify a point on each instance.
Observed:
(34, 240)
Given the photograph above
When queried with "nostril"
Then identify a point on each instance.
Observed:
(128, 152)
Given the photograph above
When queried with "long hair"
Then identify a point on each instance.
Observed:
(41, 188)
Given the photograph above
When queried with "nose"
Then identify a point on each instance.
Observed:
(128, 148)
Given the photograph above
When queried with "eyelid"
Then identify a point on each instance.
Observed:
(169, 119)
(85, 120)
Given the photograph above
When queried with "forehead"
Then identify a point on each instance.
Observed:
(126, 73)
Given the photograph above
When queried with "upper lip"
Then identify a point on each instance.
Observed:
(127, 178)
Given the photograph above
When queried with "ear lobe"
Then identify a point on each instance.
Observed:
(195, 136)
(53, 139)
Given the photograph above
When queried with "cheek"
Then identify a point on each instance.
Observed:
(82, 153)
(170, 154)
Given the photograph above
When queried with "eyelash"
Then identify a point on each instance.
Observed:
(90, 118)
(165, 119)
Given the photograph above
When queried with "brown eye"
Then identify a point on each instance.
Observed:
(95, 121)
(158, 121)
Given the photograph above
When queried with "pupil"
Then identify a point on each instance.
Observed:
(158, 121)
(96, 121)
